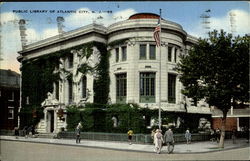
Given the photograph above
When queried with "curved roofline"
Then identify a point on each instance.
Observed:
(144, 13)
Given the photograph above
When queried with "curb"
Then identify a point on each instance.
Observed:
(116, 149)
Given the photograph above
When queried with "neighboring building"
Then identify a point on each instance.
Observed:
(237, 119)
(9, 99)
(134, 67)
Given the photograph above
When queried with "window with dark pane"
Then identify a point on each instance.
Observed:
(57, 90)
(170, 53)
(70, 90)
(124, 53)
(121, 88)
(171, 88)
(147, 87)
(70, 61)
(143, 50)
(152, 52)
(117, 54)
(175, 55)
(84, 87)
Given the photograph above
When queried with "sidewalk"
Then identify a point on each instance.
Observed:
(196, 147)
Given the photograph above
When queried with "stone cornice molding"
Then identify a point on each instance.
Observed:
(66, 36)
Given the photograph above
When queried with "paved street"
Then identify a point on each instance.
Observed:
(44, 149)
(27, 151)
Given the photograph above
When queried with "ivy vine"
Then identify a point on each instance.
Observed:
(38, 77)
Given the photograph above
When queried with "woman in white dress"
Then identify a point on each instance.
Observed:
(158, 141)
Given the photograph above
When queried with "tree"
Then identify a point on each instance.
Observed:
(217, 69)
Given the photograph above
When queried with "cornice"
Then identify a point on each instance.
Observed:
(65, 36)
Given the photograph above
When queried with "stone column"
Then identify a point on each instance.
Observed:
(164, 73)
(131, 88)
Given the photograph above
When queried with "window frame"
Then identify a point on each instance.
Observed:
(170, 53)
(140, 55)
(12, 113)
(84, 87)
(70, 61)
(150, 55)
(117, 54)
(147, 87)
(172, 88)
(70, 91)
(12, 96)
(121, 87)
(124, 54)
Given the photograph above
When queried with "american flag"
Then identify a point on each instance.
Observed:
(157, 33)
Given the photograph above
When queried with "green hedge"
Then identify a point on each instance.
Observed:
(98, 118)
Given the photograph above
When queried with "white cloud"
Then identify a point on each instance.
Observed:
(82, 18)
(241, 24)
(10, 41)
(50, 32)
(8, 17)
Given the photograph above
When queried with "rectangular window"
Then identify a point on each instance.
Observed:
(169, 53)
(152, 52)
(70, 91)
(124, 53)
(143, 51)
(10, 112)
(117, 54)
(121, 88)
(70, 61)
(57, 90)
(175, 55)
(171, 88)
(147, 87)
(84, 87)
(11, 96)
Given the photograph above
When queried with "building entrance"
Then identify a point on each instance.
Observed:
(50, 121)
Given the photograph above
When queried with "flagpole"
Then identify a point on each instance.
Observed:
(160, 76)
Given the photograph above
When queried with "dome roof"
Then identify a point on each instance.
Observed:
(144, 16)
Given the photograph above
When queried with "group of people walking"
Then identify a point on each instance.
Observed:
(159, 140)
(167, 139)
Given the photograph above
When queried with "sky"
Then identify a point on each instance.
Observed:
(41, 25)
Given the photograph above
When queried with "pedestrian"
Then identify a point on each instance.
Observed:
(130, 134)
(234, 135)
(32, 130)
(188, 136)
(246, 133)
(217, 134)
(169, 140)
(158, 141)
(25, 131)
(16, 131)
(78, 132)
(212, 135)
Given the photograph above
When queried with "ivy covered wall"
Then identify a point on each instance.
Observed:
(38, 79)
(98, 118)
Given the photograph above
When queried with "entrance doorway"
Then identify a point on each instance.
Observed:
(50, 121)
